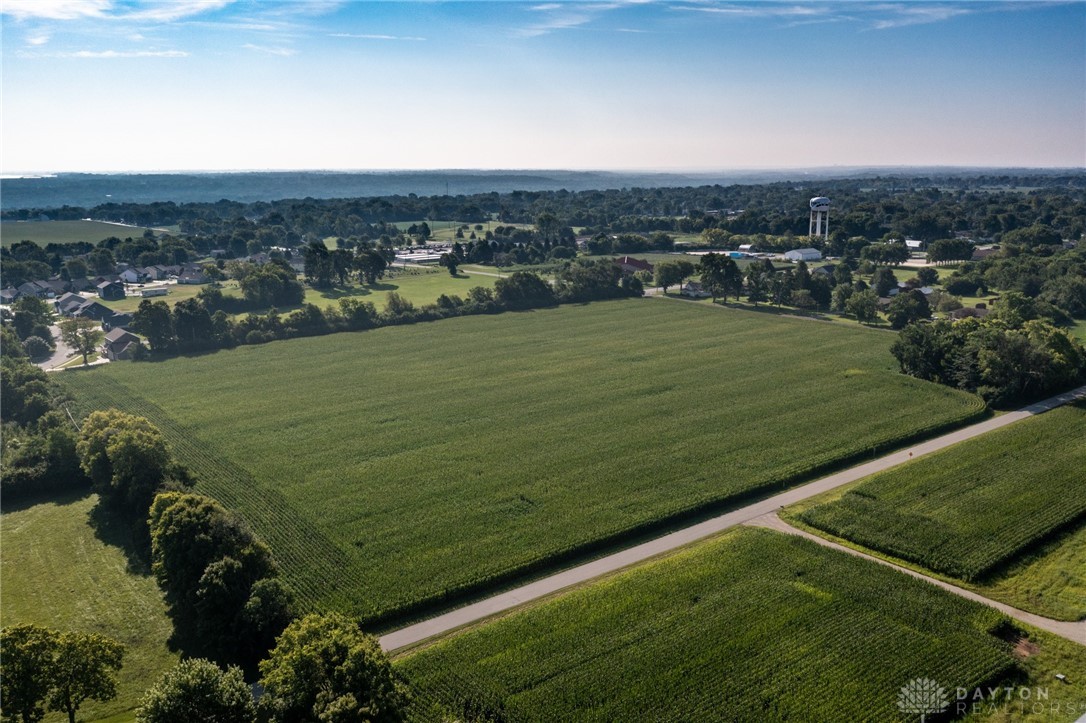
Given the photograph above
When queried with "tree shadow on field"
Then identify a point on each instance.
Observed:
(113, 529)
(60, 499)
(343, 292)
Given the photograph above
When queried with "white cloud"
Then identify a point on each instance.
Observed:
(763, 10)
(37, 39)
(162, 11)
(567, 16)
(902, 15)
(55, 9)
(373, 36)
(165, 11)
(126, 54)
(284, 52)
(877, 16)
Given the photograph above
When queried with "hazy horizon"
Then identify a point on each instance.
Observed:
(672, 86)
(15, 174)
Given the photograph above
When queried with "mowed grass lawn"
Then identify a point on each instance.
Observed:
(398, 465)
(419, 286)
(64, 232)
(1006, 511)
(57, 571)
(751, 626)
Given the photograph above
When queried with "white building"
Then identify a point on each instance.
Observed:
(797, 255)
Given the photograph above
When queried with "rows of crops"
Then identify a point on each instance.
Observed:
(410, 463)
(753, 626)
(311, 561)
(970, 509)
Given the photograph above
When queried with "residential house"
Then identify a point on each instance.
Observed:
(981, 254)
(68, 303)
(806, 254)
(57, 284)
(8, 295)
(630, 265)
(746, 248)
(91, 309)
(39, 289)
(694, 290)
(190, 276)
(915, 244)
(120, 344)
(110, 290)
(117, 321)
(133, 276)
(826, 271)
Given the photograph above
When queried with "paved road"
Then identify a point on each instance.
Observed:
(1075, 632)
(582, 573)
(62, 354)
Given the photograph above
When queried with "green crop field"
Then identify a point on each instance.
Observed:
(62, 568)
(63, 232)
(402, 465)
(968, 510)
(752, 626)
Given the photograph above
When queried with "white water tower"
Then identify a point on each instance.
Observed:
(820, 217)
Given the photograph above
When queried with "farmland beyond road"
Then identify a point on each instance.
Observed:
(583, 573)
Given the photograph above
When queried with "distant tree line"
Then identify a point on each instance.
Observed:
(870, 208)
(192, 326)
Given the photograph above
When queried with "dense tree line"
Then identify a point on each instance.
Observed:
(220, 583)
(1003, 358)
(322, 668)
(191, 326)
(38, 441)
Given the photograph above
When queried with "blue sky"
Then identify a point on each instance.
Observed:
(101, 85)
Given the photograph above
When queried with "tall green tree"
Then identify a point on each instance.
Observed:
(126, 458)
(198, 690)
(370, 265)
(720, 275)
(84, 668)
(757, 283)
(324, 668)
(82, 335)
(154, 322)
(27, 678)
(906, 308)
(864, 305)
(450, 262)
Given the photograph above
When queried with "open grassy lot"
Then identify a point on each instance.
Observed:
(419, 286)
(177, 292)
(63, 232)
(57, 571)
(1006, 511)
(401, 465)
(751, 626)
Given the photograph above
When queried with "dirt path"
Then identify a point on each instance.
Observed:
(543, 587)
(1075, 632)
